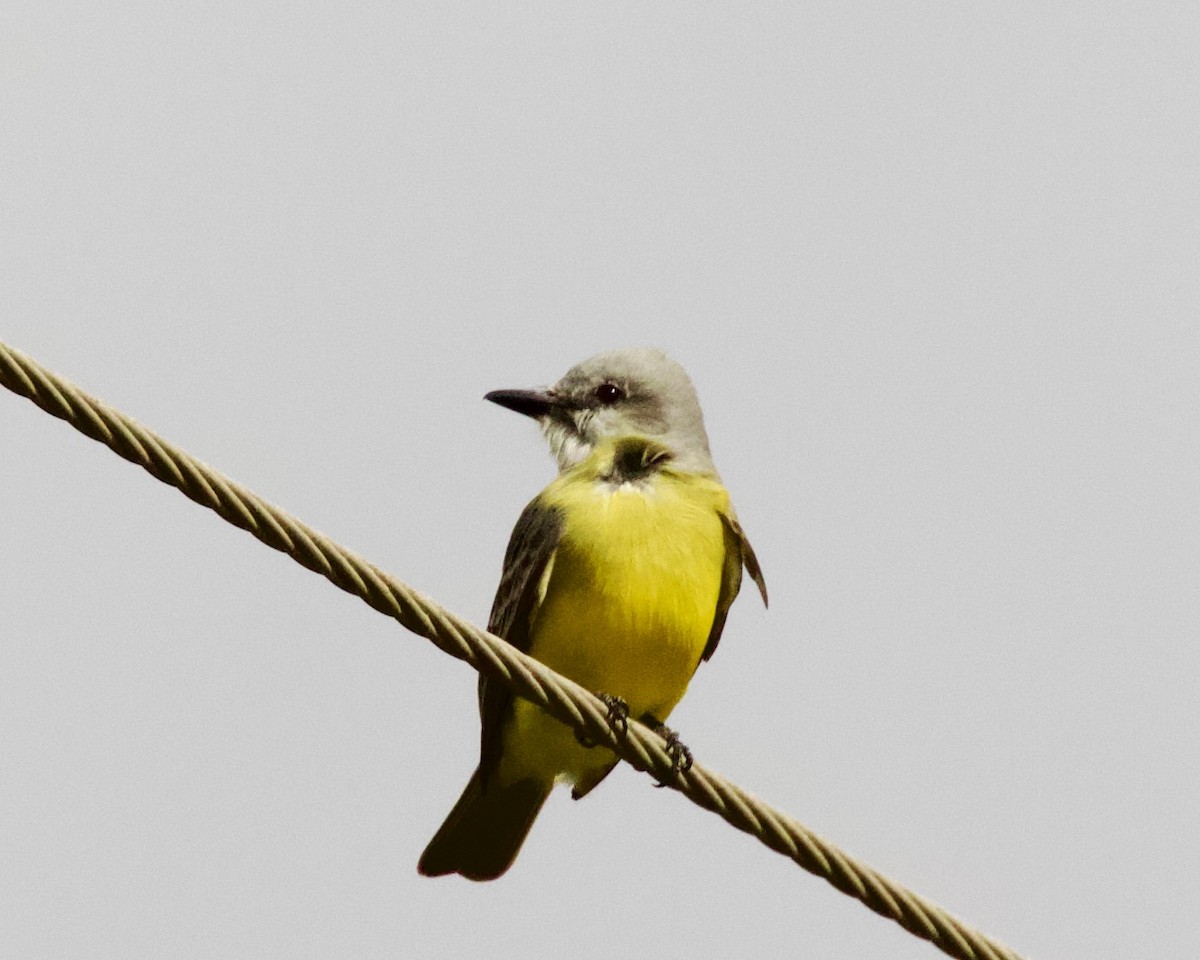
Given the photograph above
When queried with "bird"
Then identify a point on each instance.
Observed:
(618, 575)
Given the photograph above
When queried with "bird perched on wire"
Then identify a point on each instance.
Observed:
(618, 575)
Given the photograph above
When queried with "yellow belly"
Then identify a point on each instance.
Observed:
(627, 608)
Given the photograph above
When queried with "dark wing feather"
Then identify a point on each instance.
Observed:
(738, 553)
(530, 548)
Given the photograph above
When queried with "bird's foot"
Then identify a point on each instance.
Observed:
(618, 718)
(681, 756)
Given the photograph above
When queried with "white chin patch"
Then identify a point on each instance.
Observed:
(566, 446)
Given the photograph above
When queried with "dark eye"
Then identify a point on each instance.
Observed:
(609, 393)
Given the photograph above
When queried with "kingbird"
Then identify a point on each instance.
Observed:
(618, 575)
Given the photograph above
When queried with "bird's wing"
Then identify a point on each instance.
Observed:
(738, 553)
(527, 560)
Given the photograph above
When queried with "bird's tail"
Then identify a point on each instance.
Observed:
(484, 832)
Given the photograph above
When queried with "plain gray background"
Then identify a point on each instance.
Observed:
(933, 269)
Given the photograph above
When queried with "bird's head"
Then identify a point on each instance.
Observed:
(622, 392)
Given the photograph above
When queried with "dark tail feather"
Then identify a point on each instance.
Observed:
(484, 832)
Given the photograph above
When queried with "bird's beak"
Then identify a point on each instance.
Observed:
(532, 403)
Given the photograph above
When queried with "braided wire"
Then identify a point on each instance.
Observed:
(559, 696)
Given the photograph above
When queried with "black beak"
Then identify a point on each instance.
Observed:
(532, 403)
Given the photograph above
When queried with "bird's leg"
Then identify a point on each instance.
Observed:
(681, 756)
(618, 718)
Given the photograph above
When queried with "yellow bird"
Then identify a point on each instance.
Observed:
(618, 575)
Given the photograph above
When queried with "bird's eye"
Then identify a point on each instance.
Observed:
(609, 393)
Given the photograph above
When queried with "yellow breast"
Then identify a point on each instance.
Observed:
(629, 601)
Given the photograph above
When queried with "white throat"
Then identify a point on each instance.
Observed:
(566, 445)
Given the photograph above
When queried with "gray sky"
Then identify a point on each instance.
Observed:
(934, 272)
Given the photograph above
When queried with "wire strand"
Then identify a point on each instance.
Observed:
(559, 696)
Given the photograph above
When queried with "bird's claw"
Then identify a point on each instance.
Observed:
(617, 711)
(681, 756)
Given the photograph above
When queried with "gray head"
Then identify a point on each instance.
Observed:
(618, 393)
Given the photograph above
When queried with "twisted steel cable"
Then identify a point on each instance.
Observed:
(560, 697)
